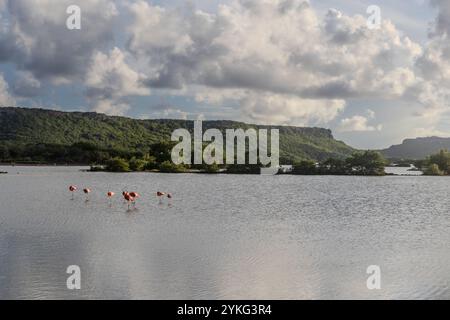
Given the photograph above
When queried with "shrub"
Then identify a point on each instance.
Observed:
(137, 164)
(433, 170)
(150, 163)
(214, 168)
(117, 165)
(170, 167)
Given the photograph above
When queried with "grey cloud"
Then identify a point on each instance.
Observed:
(38, 40)
(442, 21)
(246, 46)
(277, 48)
(26, 85)
(332, 90)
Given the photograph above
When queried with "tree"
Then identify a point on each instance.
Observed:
(305, 167)
(368, 163)
(4, 153)
(137, 164)
(442, 160)
(433, 170)
(117, 165)
(150, 163)
(333, 166)
(170, 167)
(162, 151)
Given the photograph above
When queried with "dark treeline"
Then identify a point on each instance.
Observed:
(78, 153)
(157, 157)
(368, 163)
(154, 157)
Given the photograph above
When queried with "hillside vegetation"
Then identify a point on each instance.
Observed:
(37, 135)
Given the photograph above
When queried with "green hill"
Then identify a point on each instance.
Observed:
(24, 130)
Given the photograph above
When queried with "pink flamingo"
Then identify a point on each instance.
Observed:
(86, 192)
(135, 196)
(110, 196)
(73, 189)
(128, 198)
(160, 194)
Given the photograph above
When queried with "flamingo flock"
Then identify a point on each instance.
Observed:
(129, 197)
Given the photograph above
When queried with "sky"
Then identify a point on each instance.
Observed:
(281, 62)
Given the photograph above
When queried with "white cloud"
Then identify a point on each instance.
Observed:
(6, 100)
(430, 132)
(111, 107)
(111, 74)
(358, 124)
(289, 110)
(109, 79)
(433, 68)
(279, 49)
(168, 112)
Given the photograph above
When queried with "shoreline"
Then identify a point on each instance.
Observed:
(42, 165)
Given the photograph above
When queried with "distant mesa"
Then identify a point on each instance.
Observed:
(417, 149)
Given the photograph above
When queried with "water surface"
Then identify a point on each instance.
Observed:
(223, 236)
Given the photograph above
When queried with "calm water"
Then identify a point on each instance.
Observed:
(223, 237)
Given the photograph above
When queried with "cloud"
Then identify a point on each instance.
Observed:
(359, 123)
(6, 100)
(442, 22)
(111, 75)
(26, 85)
(289, 110)
(111, 107)
(280, 49)
(430, 132)
(171, 112)
(38, 40)
(271, 61)
(433, 71)
(109, 79)
(279, 46)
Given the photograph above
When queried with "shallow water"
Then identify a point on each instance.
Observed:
(223, 237)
